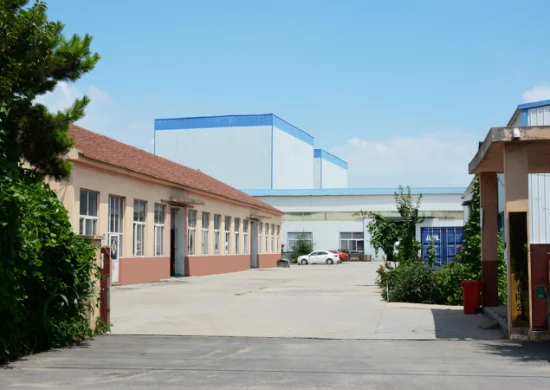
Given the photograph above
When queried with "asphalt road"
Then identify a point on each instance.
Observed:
(199, 362)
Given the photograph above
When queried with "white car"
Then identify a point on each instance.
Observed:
(319, 257)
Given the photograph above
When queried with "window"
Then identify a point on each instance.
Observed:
(278, 234)
(159, 230)
(192, 224)
(227, 232)
(352, 241)
(88, 212)
(217, 221)
(266, 237)
(237, 228)
(139, 227)
(260, 231)
(116, 212)
(245, 236)
(205, 229)
(272, 238)
(293, 237)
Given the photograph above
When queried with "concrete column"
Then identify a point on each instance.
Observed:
(516, 190)
(489, 231)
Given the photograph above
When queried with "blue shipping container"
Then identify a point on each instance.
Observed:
(446, 241)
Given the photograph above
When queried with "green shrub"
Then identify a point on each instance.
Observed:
(448, 281)
(302, 245)
(412, 282)
(45, 269)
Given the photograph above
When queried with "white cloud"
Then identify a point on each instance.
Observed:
(538, 92)
(436, 159)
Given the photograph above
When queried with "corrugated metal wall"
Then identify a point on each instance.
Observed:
(539, 208)
(539, 186)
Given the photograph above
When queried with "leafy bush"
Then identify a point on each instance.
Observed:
(412, 282)
(45, 269)
(302, 245)
(448, 280)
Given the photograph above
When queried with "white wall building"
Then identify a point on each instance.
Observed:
(326, 215)
(330, 171)
(244, 151)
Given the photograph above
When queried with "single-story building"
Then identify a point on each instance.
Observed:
(161, 218)
(327, 217)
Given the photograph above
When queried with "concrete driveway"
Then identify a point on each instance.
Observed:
(314, 301)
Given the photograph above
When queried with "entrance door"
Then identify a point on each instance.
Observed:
(179, 241)
(253, 244)
(173, 242)
(115, 244)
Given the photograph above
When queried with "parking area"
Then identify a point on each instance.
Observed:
(314, 301)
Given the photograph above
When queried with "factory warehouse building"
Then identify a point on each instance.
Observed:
(161, 218)
(281, 166)
(326, 217)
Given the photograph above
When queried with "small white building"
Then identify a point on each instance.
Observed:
(327, 217)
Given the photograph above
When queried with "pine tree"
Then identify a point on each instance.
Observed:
(34, 57)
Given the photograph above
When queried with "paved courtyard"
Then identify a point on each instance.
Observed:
(314, 301)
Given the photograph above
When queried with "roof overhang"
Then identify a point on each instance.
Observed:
(490, 155)
(183, 202)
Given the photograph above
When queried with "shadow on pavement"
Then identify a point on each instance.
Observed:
(521, 351)
(454, 324)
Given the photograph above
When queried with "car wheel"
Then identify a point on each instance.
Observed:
(303, 262)
(329, 261)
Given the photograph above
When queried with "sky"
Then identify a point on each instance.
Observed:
(402, 90)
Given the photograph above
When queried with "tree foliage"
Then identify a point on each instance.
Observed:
(385, 233)
(34, 57)
(302, 245)
(47, 273)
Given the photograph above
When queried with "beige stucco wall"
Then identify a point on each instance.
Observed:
(113, 181)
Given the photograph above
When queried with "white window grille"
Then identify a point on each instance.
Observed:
(227, 233)
(245, 237)
(88, 212)
(116, 214)
(139, 227)
(217, 222)
(237, 234)
(159, 229)
(191, 227)
(205, 231)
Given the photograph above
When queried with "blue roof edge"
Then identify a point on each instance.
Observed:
(241, 120)
(321, 153)
(539, 103)
(353, 191)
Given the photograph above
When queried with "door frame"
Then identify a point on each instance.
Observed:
(115, 257)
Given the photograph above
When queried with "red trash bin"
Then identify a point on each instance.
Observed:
(472, 295)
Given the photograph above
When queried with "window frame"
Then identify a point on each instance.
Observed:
(236, 229)
(191, 232)
(218, 218)
(159, 229)
(88, 217)
(290, 240)
(353, 238)
(272, 238)
(205, 233)
(227, 227)
(245, 236)
(119, 230)
(278, 236)
(139, 226)
(260, 236)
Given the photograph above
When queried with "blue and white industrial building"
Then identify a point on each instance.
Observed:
(277, 162)
(249, 151)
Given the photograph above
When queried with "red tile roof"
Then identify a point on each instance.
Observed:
(101, 148)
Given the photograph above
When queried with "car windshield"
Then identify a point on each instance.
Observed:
(333, 251)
